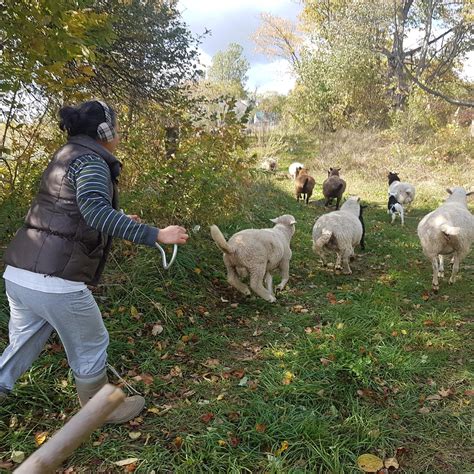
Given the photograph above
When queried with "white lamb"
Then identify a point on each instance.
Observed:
(294, 168)
(403, 192)
(449, 230)
(258, 252)
(339, 231)
(269, 164)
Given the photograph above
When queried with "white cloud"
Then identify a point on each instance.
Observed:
(275, 76)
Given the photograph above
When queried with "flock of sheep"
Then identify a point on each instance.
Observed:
(257, 253)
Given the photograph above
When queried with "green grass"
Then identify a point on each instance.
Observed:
(387, 344)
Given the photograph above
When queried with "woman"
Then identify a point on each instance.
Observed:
(63, 247)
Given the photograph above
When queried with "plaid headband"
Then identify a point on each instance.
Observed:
(105, 130)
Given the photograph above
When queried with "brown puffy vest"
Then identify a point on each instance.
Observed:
(55, 239)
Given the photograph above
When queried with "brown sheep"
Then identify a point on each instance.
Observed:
(304, 185)
(333, 187)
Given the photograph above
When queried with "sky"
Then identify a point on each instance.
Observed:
(234, 21)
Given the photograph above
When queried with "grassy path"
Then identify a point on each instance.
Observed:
(338, 367)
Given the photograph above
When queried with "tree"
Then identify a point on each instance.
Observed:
(229, 67)
(278, 37)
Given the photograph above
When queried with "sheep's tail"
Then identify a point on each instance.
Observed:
(449, 230)
(324, 238)
(219, 239)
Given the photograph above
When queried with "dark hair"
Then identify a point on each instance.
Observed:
(84, 118)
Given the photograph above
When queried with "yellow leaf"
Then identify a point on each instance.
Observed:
(283, 447)
(287, 378)
(197, 270)
(221, 442)
(134, 312)
(403, 331)
(154, 410)
(18, 456)
(369, 463)
(391, 462)
(340, 325)
(40, 438)
(134, 435)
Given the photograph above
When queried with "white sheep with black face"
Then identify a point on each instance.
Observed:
(403, 192)
(448, 230)
(269, 164)
(257, 253)
(339, 231)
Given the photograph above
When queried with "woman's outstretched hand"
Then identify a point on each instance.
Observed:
(173, 234)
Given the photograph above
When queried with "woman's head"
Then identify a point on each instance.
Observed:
(94, 119)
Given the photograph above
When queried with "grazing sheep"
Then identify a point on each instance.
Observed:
(445, 231)
(339, 231)
(304, 185)
(294, 168)
(269, 164)
(404, 192)
(257, 252)
(395, 208)
(333, 187)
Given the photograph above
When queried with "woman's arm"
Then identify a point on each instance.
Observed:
(90, 177)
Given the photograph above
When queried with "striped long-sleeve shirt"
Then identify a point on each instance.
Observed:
(90, 176)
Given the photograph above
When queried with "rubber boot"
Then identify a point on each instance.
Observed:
(129, 409)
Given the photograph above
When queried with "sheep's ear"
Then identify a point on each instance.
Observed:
(358, 199)
(338, 169)
(470, 193)
(292, 222)
(449, 191)
(275, 221)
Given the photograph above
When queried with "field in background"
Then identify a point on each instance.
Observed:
(338, 367)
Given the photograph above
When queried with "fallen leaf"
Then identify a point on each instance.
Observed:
(207, 417)
(134, 312)
(233, 416)
(287, 378)
(404, 332)
(424, 410)
(147, 379)
(234, 305)
(469, 393)
(340, 325)
(211, 363)
(325, 361)
(284, 446)
(131, 467)
(234, 441)
(17, 456)
(445, 393)
(391, 462)
(154, 410)
(221, 442)
(40, 437)
(126, 462)
(436, 396)
(197, 270)
(260, 428)
(369, 463)
(157, 329)
(331, 297)
(243, 381)
(238, 373)
(176, 371)
(178, 442)
(425, 296)
(179, 312)
(134, 435)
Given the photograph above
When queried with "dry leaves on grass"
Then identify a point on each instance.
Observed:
(40, 437)
(207, 417)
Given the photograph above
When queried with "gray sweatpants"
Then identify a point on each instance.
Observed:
(33, 317)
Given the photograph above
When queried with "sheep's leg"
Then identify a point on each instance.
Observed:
(338, 266)
(233, 280)
(456, 260)
(256, 283)
(308, 195)
(326, 204)
(269, 282)
(346, 254)
(434, 262)
(402, 217)
(338, 201)
(285, 274)
(393, 217)
(441, 266)
(320, 252)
